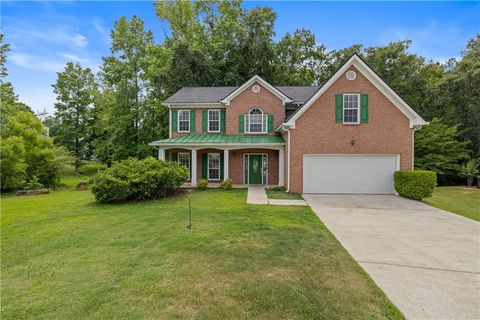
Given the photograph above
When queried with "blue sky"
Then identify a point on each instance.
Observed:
(45, 35)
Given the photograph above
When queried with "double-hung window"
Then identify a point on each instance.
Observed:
(183, 120)
(256, 121)
(214, 120)
(184, 159)
(351, 108)
(213, 166)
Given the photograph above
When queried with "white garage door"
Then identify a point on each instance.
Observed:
(349, 173)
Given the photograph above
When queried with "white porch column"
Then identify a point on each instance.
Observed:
(161, 154)
(225, 164)
(281, 167)
(193, 178)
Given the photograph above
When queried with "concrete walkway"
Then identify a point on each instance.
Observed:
(257, 195)
(425, 259)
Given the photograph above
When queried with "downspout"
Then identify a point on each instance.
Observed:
(288, 159)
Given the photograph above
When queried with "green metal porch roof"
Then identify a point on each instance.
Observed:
(220, 138)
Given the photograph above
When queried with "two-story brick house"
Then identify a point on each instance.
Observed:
(346, 136)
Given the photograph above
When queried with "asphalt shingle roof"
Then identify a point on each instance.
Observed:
(299, 94)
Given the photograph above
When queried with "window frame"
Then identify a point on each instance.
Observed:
(179, 112)
(219, 166)
(358, 108)
(264, 122)
(219, 120)
(187, 154)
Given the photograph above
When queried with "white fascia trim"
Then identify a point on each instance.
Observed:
(264, 83)
(415, 119)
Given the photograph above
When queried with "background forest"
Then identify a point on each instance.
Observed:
(114, 114)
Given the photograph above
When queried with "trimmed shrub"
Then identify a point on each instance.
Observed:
(134, 179)
(415, 184)
(277, 188)
(226, 184)
(202, 184)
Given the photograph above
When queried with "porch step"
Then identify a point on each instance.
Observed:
(257, 195)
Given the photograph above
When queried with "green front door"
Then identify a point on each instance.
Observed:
(255, 169)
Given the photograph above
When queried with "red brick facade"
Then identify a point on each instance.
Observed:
(387, 130)
(316, 130)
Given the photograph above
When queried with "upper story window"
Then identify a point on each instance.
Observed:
(351, 107)
(183, 120)
(214, 120)
(256, 121)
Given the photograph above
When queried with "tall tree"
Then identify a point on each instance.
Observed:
(75, 89)
(9, 104)
(438, 148)
(298, 59)
(461, 89)
(135, 108)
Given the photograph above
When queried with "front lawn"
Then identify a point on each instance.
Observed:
(66, 257)
(281, 194)
(460, 200)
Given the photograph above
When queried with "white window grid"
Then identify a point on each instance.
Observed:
(351, 108)
(184, 159)
(183, 120)
(213, 120)
(256, 121)
(213, 166)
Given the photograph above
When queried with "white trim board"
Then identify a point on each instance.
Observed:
(415, 119)
(264, 84)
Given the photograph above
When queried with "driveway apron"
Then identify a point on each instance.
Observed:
(425, 259)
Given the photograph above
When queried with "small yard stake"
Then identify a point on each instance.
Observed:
(189, 226)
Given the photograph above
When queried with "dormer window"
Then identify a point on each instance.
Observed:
(256, 121)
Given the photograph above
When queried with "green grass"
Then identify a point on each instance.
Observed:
(280, 194)
(66, 257)
(70, 178)
(460, 200)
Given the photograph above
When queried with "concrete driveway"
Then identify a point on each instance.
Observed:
(425, 259)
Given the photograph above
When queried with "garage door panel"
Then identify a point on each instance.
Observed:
(349, 173)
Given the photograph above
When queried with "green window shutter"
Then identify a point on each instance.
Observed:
(174, 156)
(174, 120)
(204, 121)
(222, 120)
(241, 123)
(166, 155)
(192, 120)
(270, 123)
(339, 108)
(364, 108)
(204, 165)
(221, 166)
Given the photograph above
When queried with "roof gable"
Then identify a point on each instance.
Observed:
(265, 84)
(361, 66)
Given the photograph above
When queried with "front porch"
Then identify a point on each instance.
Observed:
(247, 160)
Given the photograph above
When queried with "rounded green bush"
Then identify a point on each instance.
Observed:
(415, 184)
(226, 184)
(134, 179)
(202, 184)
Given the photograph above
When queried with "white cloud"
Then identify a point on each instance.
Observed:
(79, 40)
(35, 62)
